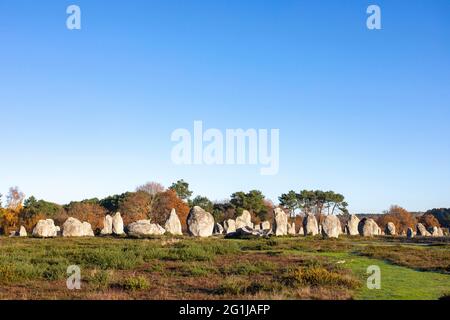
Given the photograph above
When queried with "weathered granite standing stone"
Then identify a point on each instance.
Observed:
(352, 226)
(22, 232)
(291, 229)
(218, 229)
(310, 225)
(173, 224)
(117, 224)
(280, 222)
(369, 228)
(107, 225)
(75, 228)
(45, 229)
(422, 231)
(301, 231)
(265, 225)
(257, 227)
(390, 229)
(410, 233)
(244, 220)
(331, 227)
(437, 232)
(200, 223)
(87, 229)
(144, 228)
(229, 226)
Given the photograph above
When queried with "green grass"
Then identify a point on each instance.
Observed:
(397, 282)
(276, 268)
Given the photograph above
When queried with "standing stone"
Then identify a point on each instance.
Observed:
(437, 232)
(200, 223)
(218, 229)
(368, 228)
(410, 233)
(22, 232)
(87, 230)
(45, 229)
(310, 225)
(257, 227)
(390, 229)
(117, 224)
(144, 228)
(280, 222)
(422, 231)
(75, 228)
(107, 225)
(244, 220)
(301, 232)
(291, 229)
(229, 226)
(331, 227)
(173, 224)
(352, 226)
(265, 225)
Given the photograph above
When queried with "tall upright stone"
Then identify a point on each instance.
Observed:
(390, 229)
(117, 224)
(422, 231)
(352, 226)
(291, 229)
(310, 225)
(331, 226)
(244, 220)
(173, 224)
(200, 223)
(229, 225)
(280, 222)
(410, 233)
(107, 225)
(368, 228)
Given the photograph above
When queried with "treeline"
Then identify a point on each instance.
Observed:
(153, 201)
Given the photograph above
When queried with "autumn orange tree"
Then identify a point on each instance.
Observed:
(164, 203)
(9, 216)
(429, 221)
(400, 217)
(89, 211)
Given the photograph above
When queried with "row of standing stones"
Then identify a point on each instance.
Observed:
(201, 224)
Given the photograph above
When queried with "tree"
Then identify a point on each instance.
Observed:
(290, 201)
(442, 215)
(152, 188)
(112, 203)
(429, 221)
(203, 202)
(181, 188)
(136, 206)
(14, 199)
(88, 211)
(163, 205)
(252, 201)
(400, 217)
(223, 210)
(34, 210)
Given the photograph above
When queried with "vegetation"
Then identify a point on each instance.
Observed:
(188, 268)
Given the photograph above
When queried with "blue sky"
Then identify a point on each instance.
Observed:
(88, 113)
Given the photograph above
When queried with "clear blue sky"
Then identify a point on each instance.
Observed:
(365, 113)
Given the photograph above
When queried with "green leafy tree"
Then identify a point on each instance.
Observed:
(181, 188)
(203, 202)
(290, 201)
(252, 201)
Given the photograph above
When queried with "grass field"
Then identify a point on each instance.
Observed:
(187, 268)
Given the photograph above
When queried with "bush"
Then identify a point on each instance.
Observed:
(136, 283)
(318, 276)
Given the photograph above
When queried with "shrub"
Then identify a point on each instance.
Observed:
(136, 283)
